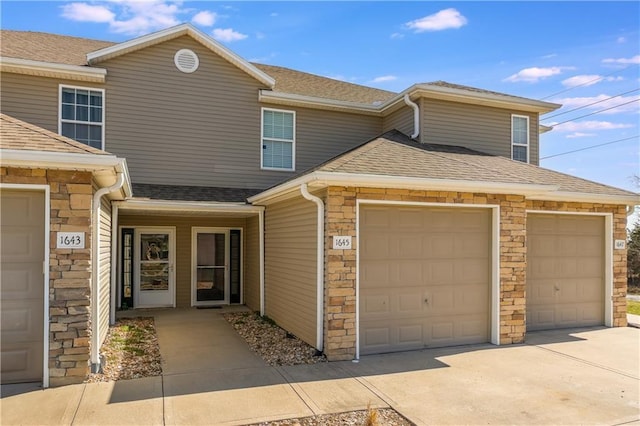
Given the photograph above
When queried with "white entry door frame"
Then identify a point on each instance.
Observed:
(154, 267)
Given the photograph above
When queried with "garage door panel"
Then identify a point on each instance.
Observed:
(22, 249)
(436, 274)
(565, 271)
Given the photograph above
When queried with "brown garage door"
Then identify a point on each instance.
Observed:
(565, 271)
(424, 277)
(22, 285)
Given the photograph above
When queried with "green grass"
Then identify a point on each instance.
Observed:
(633, 307)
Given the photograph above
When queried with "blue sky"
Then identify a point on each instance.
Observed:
(574, 53)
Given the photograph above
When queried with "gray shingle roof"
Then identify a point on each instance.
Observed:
(19, 135)
(395, 154)
(192, 193)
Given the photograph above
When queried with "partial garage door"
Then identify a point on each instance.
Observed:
(22, 285)
(565, 271)
(424, 277)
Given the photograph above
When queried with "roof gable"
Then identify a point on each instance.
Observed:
(130, 46)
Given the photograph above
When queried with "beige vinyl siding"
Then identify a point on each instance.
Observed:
(322, 135)
(290, 266)
(401, 120)
(183, 227)
(252, 264)
(34, 99)
(104, 281)
(476, 127)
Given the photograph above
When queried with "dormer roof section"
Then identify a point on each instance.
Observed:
(98, 56)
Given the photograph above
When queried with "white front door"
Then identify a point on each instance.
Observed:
(210, 266)
(154, 273)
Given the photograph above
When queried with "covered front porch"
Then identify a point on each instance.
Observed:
(186, 254)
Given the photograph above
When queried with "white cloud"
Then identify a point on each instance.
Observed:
(84, 12)
(443, 20)
(621, 40)
(130, 17)
(384, 78)
(227, 35)
(549, 56)
(397, 36)
(533, 74)
(586, 126)
(624, 61)
(204, 18)
(603, 103)
(588, 80)
(580, 135)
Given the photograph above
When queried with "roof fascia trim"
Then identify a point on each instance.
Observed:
(174, 32)
(323, 179)
(479, 98)
(190, 206)
(281, 98)
(50, 69)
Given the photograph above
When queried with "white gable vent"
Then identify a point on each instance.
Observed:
(186, 60)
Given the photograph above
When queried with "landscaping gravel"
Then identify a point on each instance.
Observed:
(272, 343)
(382, 417)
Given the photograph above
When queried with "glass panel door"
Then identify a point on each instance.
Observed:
(210, 275)
(154, 268)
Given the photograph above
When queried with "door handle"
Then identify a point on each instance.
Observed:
(426, 300)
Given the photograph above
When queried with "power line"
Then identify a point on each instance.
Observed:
(592, 103)
(596, 112)
(586, 83)
(589, 147)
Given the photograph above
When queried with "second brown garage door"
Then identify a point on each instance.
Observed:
(424, 277)
(565, 271)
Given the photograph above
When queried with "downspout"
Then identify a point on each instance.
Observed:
(261, 243)
(416, 116)
(320, 266)
(95, 278)
(114, 264)
(630, 210)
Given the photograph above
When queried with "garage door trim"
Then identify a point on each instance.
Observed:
(47, 231)
(495, 258)
(608, 256)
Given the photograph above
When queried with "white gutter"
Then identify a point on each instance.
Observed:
(95, 278)
(187, 206)
(261, 251)
(319, 267)
(629, 200)
(416, 115)
(71, 72)
(383, 181)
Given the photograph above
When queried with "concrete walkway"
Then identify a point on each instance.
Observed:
(587, 376)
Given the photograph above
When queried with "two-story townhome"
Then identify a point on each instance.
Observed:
(167, 171)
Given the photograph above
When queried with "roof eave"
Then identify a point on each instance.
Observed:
(174, 32)
(324, 179)
(292, 99)
(52, 70)
(477, 98)
(581, 197)
(104, 167)
(188, 206)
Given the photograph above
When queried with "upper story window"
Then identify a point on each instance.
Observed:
(82, 115)
(278, 139)
(520, 138)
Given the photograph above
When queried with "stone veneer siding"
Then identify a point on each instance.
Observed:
(341, 268)
(71, 195)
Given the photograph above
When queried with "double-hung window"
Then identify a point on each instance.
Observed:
(520, 138)
(82, 115)
(278, 139)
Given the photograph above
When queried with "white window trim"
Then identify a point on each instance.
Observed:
(293, 141)
(104, 109)
(528, 144)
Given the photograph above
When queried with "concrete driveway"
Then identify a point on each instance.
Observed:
(586, 376)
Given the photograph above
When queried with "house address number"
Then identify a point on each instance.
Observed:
(70, 240)
(342, 242)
